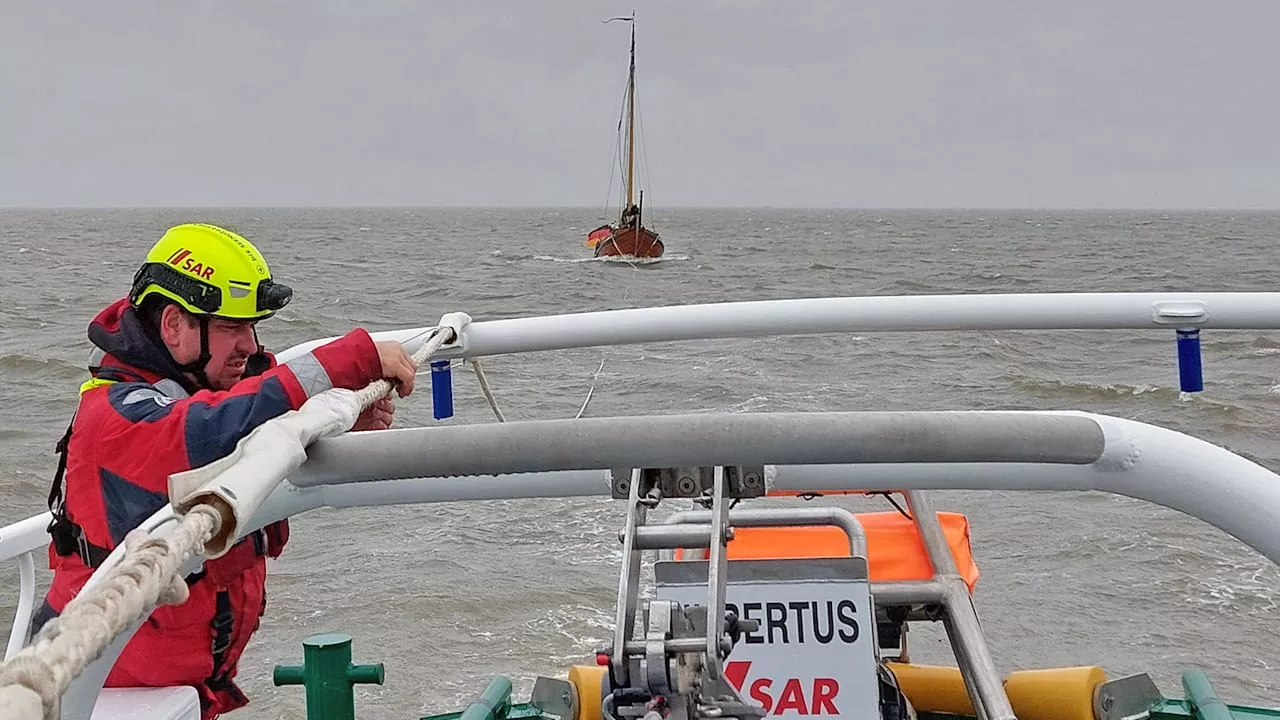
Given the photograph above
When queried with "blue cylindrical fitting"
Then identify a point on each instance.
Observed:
(441, 389)
(1190, 375)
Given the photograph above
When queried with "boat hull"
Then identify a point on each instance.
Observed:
(631, 242)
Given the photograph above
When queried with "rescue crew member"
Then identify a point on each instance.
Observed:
(177, 379)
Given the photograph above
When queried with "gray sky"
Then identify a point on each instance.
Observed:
(746, 103)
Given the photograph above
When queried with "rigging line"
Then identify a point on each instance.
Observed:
(644, 149)
(615, 164)
(620, 141)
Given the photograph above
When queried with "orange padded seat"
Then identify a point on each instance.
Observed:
(895, 551)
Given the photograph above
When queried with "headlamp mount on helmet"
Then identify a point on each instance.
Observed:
(273, 296)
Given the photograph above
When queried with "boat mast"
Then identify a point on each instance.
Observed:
(631, 115)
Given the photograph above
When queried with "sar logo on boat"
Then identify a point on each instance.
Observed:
(803, 697)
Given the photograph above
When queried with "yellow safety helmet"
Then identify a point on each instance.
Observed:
(209, 270)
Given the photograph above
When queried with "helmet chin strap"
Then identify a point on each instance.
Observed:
(255, 364)
(196, 367)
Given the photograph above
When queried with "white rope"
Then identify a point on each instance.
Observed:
(145, 577)
(381, 388)
(484, 388)
(33, 681)
(596, 376)
(590, 391)
(493, 402)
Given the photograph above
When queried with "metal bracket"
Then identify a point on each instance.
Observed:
(555, 699)
(1126, 698)
(1179, 312)
(690, 482)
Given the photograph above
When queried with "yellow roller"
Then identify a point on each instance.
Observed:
(1054, 693)
(587, 681)
(1049, 694)
(935, 689)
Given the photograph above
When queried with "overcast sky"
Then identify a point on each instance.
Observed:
(747, 103)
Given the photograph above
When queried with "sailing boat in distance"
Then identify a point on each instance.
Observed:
(628, 238)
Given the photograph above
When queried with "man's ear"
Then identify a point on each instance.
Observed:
(173, 320)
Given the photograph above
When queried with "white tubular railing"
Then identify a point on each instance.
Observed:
(22, 541)
(807, 316)
(814, 452)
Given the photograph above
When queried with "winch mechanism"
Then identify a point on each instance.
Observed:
(676, 670)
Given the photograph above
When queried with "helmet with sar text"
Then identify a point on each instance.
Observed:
(210, 271)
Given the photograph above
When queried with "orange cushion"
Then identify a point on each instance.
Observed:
(894, 549)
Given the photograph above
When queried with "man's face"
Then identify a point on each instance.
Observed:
(231, 342)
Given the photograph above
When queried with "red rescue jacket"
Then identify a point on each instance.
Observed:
(139, 421)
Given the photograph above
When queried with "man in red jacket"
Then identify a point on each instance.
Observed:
(178, 378)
